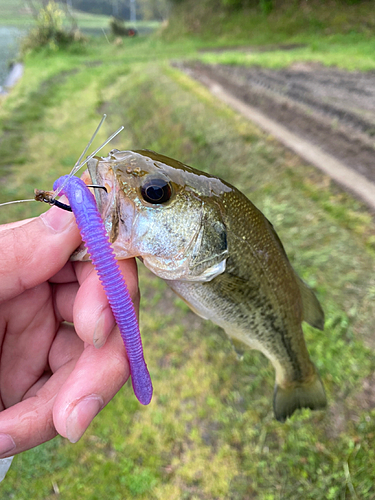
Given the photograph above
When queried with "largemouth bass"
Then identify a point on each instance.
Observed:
(219, 253)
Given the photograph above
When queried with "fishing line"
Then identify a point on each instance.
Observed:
(50, 198)
(90, 142)
(16, 201)
(79, 166)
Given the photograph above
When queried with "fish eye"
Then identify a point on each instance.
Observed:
(156, 191)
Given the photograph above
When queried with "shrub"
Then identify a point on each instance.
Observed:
(49, 30)
(118, 28)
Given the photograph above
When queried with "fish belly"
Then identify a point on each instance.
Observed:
(252, 324)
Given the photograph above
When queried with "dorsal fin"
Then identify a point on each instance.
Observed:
(313, 313)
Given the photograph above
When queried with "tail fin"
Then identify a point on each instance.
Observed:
(300, 395)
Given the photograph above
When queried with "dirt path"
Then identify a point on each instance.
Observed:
(325, 115)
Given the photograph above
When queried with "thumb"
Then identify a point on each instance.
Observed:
(33, 252)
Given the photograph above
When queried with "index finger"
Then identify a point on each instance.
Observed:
(33, 252)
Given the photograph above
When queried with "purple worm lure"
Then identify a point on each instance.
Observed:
(96, 240)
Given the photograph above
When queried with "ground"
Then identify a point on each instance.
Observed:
(330, 107)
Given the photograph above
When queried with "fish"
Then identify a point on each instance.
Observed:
(220, 254)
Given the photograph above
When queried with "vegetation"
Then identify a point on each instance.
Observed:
(145, 9)
(17, 13)
(49, 30)
(209, 432)
(334, 33)
(118, 28)
(294, 21)
(352, 52)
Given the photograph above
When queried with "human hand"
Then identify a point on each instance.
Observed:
(52, 377)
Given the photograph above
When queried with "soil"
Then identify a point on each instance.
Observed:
(331, 108)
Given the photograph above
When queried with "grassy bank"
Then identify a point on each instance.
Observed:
(352, 52)
(209, 432)
(333, 33)
(297, 21)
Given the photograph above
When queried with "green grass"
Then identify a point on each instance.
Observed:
(295, 21)
(333, 33)
(209, 432)
(16, 13)
(351, 52)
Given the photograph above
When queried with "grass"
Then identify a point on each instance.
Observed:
(351, 52)
(209, 432)
(16, 13)
(292, 21)
(334, 33)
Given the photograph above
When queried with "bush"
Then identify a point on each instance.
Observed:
(118, 28)
(49, 30)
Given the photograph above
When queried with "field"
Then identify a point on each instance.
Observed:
(209, 432)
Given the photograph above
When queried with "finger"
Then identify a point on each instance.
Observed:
(93, 318)
(35, 251)
(67, 346)
(12, 225)
(30, 423)
(96, 378)
(65, 275)
(29, 332)
(64, 298)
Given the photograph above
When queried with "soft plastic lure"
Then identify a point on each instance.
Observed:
(93, 233)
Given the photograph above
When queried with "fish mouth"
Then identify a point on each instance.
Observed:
(106, 199)
(116, 209)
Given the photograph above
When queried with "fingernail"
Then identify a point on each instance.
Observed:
(57, 219)
(81, 417)
(99, 337)
(6, 444)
